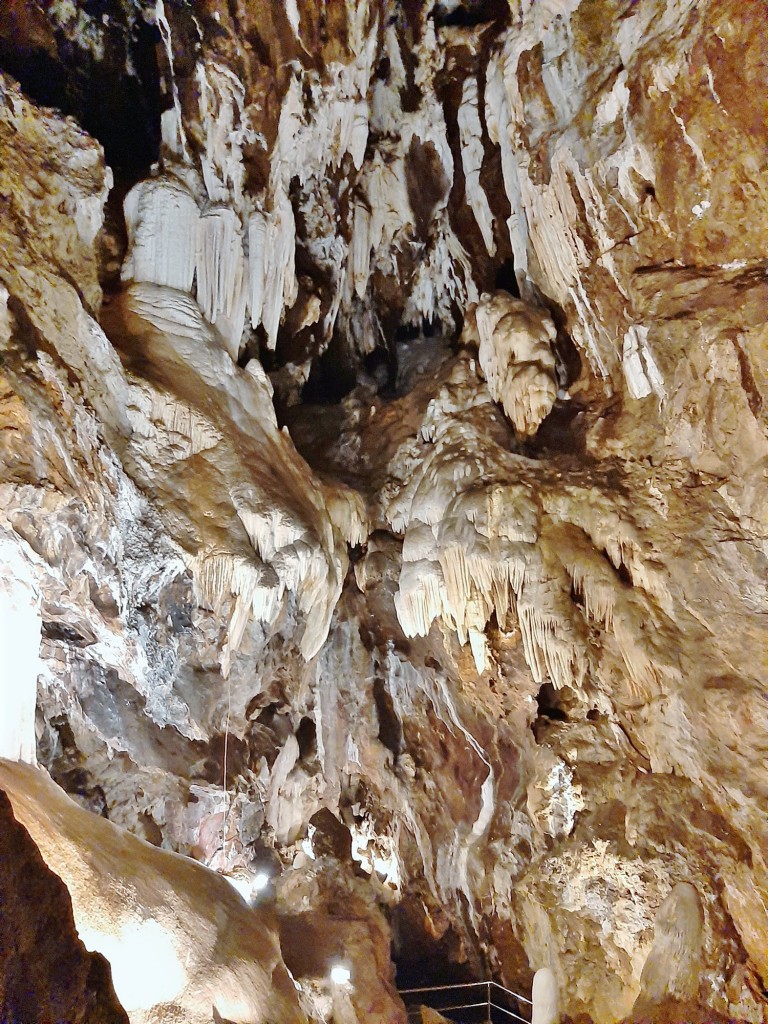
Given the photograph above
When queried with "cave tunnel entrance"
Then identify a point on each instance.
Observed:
(115, 97)
(332, 376)
(422, 960)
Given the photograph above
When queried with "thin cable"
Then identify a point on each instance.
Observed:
(224, 780)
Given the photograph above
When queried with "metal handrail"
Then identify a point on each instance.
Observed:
(488, 1002)
(441, 988)
(509, 992)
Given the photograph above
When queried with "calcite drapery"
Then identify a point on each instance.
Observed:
(516, 357)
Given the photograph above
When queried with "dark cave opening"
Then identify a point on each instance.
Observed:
(381, 366)
(117, 99)
(470, 13)
(548, 704)
(621, 569)
(421, 959)
(506, 278)
(550, 710)
(306, 737)
(332, 376)
(390, 727)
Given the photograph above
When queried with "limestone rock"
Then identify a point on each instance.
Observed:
(46, 974)
(673, 966)
(516, 358)
(178, 938)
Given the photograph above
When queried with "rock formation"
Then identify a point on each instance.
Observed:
(382, 480)
(181, 942)
(517, 359)
(46, 974)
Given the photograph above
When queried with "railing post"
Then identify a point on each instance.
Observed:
(488, 990)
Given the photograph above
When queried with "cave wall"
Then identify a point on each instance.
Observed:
(47, 974)
(521, 663)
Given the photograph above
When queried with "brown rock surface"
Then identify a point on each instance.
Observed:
(46, 973)
(181, 942)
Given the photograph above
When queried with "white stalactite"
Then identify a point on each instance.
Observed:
(174, 137)
(517, 358)
(257, 264)
(281, 287)
(221, 274)
(471, 138)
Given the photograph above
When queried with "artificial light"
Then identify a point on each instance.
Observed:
(340, 975)
(260, 881)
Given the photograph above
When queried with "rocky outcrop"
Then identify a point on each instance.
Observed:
(180, 941)
(387, 442)
(46, 974)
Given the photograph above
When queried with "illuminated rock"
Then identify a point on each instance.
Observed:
(552, 636)
(177, 937)
(517, 359)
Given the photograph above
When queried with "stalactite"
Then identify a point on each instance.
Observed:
(471, 134)
(162, 219)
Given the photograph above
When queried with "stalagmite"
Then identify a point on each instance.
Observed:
(162, 219)
(546, 1000)
(673, 967)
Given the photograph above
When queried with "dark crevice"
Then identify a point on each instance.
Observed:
(748, 383)
(621, 570)
(470, 13)
(306, 737)
(420, 958)
(549, 702)
(563, 432)
(67, 634)
(117, 98)
(506, 278)
(332, 377)
(381, 367)
(390, 727)
(275, 719)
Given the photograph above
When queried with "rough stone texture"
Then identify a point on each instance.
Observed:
(46, 974)
(536, 700)
(181, 942)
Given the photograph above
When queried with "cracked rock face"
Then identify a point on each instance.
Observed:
(382, 476)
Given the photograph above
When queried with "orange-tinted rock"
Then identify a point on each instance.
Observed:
(46, 974)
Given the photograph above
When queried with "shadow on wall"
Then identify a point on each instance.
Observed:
(82, 70)
(176, 935)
